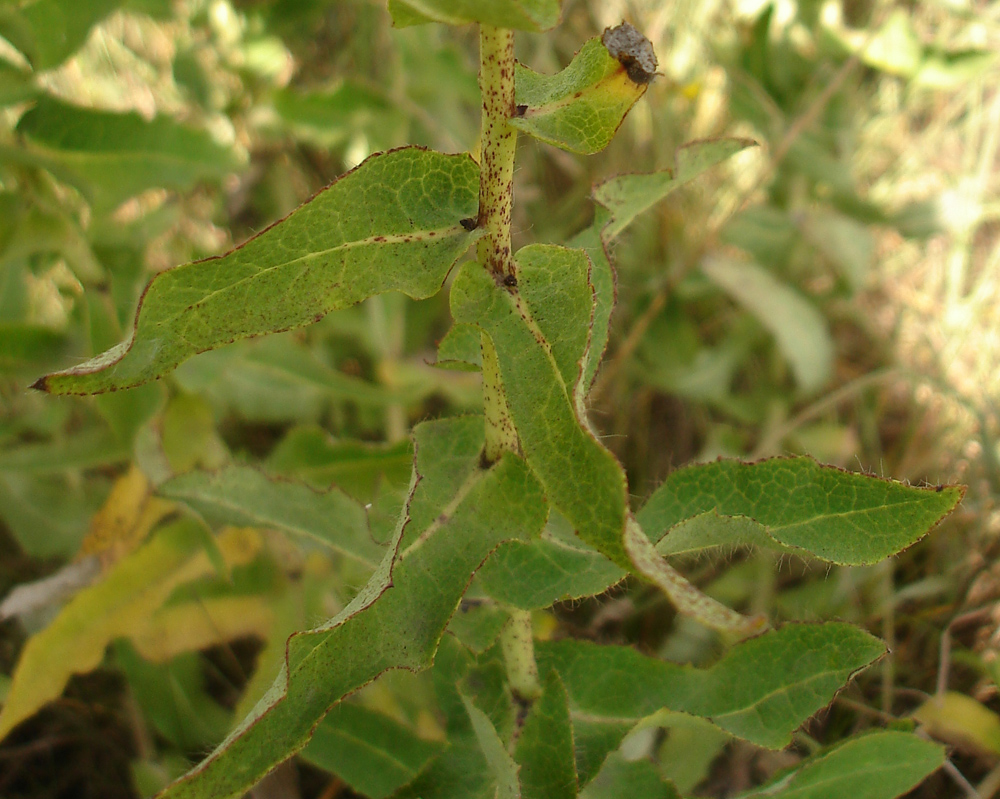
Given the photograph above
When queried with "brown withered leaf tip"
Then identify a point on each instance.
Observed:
(633, 51)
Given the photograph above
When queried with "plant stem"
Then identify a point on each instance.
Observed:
(496, 198)
(498, 143)
(518, 645)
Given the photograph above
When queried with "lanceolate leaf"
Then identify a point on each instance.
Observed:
(761, 690)
(458, 513)
(580, 108)
(832, 514)
(879, 765)
(534, 327)
(240, 495)
(529, 15)
(627, 196)
(111, 157)
(505, 770)
(392, 224)
(545, 747)
(629, 778)
(799, 329)
(369, 751)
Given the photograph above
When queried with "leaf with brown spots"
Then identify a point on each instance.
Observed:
(580, 108)
(392, 224)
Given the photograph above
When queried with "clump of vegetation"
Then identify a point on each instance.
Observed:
(434, 603)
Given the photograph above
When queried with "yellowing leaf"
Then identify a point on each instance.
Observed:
(580, 108)
(961, 720)
(133, 590)
(196, 625)
(125, 519)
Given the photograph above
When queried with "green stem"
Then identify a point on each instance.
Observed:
(498, 143)
(496, 199)
(518, 645)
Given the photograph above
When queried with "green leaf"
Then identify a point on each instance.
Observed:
(536, 331)
(458, 513)
(90, 448)
(505, 770)
(830, 513)
(369, 751)
(761, 690)
(580, 108)
(594, 739)
(392, 224)
(536, 574)
(16, 86)
(111, 157)
(358, 467)
(879, 765)
(460, 349)
(243, 496)
(627, 196)
(629, 778)
(257, 376)
(527, 15)
(477, 624)
(48, 513)
(581, 478)
(602, 277)
(50, 31)
(26, 346)
(545, 747)
(799, 329)
(173, 698)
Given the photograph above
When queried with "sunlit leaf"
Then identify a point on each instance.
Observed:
(111, 157)
(530, 15)
(799, 329)
(49, 31)
(392, 224)
(397, 619)
(830, 513)
(580, 108)
(627, 196)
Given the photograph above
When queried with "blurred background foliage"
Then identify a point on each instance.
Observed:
(835, 292)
